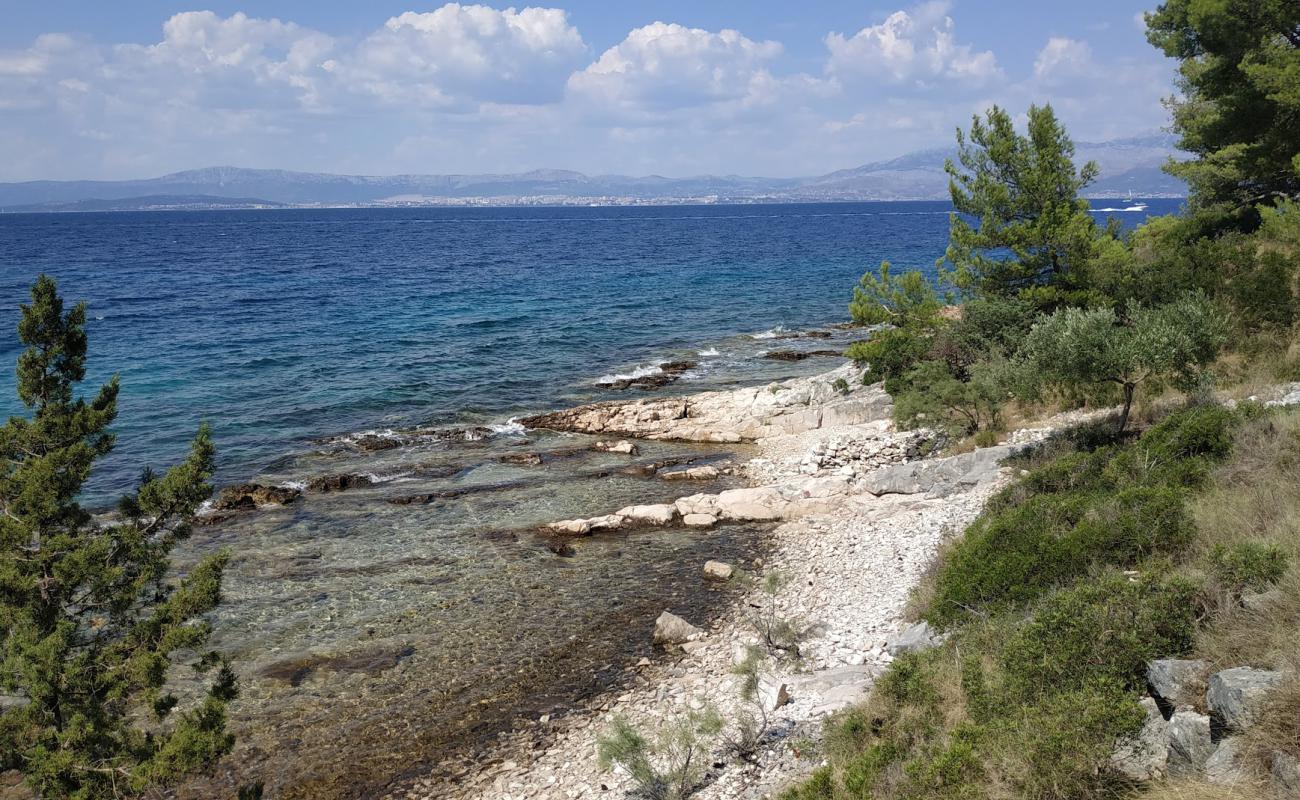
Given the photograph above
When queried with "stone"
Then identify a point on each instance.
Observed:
(573, 527)
(940, 476)
(1190, 744)
(718, 570)
(1235, 695)
(665, 373)
(706, 472)
(1260, 601)
(913, 638)
(338, 483)
(1145, 756)
(699, 520)
(773, 692)
(608, 522)
(693, 647)
(756, 504)
(1224, 767)
(660, 514)
(254, 495)
(1285, 769)
(622, 446)
(672, 629)
(1177, 681)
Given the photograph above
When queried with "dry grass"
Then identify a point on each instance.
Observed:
(1200, 790)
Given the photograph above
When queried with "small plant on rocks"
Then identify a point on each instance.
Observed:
(780, 635)
(752, 719)
(671, 764)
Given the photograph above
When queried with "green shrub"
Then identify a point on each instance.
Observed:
(1099, 633)
(889, 353)
(1132, 525)
(1247, 565)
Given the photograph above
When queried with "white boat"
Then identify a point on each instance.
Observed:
(1134, 205)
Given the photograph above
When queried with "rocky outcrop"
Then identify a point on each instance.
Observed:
(912, 639)
(1190, 745)
(941, 476)
(1235, 695)
(338, 483)
(738, 415)
(800, 355)
(1176, 681)
(664, 374)
(246, 496)
(1145, 756)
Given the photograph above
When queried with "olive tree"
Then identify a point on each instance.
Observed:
(1077, 349)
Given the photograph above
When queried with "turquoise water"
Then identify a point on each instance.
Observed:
(374, 637)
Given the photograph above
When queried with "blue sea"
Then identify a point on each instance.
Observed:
(374, 635)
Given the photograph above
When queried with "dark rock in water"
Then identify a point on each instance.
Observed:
(638, 470)
(785, 355)
(797, 355)
(338, 483)
(522, 459)
(561, 548)
(243, 496)
(370, 662)
(668, 372)
(371, 444)
(817, 334)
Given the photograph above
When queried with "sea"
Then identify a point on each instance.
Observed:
(399, 628)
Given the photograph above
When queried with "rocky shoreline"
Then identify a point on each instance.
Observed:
(859, 511)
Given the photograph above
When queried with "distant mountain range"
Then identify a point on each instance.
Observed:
(1127, 165)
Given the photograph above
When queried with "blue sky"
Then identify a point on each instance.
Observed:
(116, 90)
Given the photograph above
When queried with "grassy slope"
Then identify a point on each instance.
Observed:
(1099, 559)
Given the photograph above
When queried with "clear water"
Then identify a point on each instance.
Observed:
(372, 637)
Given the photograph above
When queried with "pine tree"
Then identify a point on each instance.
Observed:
(92, 615)
(1034, 235)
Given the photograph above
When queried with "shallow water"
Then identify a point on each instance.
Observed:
(373, 637)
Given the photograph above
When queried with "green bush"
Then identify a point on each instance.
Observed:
(1242, 566)
(889, 353)
(1098, 633)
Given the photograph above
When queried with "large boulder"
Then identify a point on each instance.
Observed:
(1145, 756)
(254, 495)
(1177, 681)
(1190, 744)
(1235, 695)
(659, 514)
(672, 629)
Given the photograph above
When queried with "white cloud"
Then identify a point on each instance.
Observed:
(459, 54)
(1062, 57)
(917, 44)
(662, 67)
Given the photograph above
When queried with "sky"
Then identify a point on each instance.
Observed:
(107, 90)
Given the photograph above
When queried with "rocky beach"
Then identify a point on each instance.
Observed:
(857, 513)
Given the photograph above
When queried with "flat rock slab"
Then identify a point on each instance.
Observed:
(837, 397)
(940, 476)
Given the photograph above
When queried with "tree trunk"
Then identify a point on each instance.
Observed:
(1129, 389)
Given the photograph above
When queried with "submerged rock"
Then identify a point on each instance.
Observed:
(800, 355)
(522, 459)
(254, 495)
(707, 472)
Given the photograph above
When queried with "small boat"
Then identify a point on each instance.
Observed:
(1134, 205)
